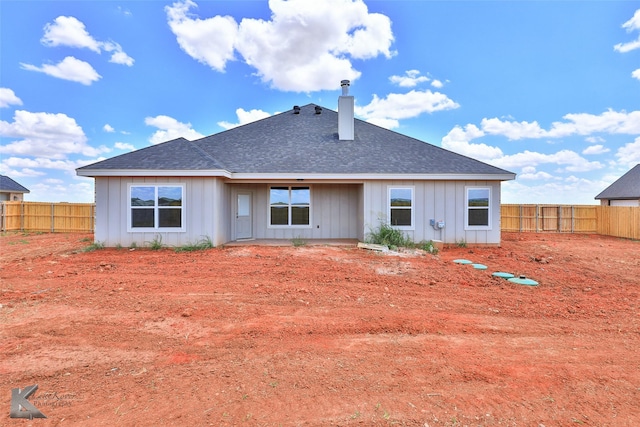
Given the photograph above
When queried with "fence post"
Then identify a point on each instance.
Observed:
(52, 220)
(520, 219)
(21, 216)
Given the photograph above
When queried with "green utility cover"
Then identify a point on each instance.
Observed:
(462, 261)
(526, 282)
(503, 275)
(479, 266)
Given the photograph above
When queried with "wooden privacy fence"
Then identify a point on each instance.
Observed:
(619, 221)
(47, 217)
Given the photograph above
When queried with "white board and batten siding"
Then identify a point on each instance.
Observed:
(338, 211)
(334, 212)
(622, 202)
(438, 200)
(205, 204)
(209, 212)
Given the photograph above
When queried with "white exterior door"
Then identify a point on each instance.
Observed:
(243, 216)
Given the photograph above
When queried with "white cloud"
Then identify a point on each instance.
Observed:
(411, 79)
(71, 32)
(636, 74)
(572, 161)
(209, 41)
(244, 117)
(557, 191)
(632, 24)
(124, 146)
(170, 129)
(68, 191)
(125, 12)
(511, 129)
(108, 128)
(68, 31)
(45, 135)
(437, 84)
(612, 122)
(398, 106)
(22, 172)
(69, 68)
(595, 149)
(306, 46)
(594, 139)
(533, 175)
(31, 164)
(458, 140)
(119, 57)
(629, 154)
(8, 97)
(627, 47)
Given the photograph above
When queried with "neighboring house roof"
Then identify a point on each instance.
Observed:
(7, 185)
(304, 143)
(626, 187)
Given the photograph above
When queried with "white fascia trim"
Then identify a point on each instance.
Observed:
(152, 172)
(368, 176)
(274, 177)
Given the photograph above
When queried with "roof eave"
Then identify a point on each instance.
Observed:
(296, 176)
(152, 172)
(371, 176)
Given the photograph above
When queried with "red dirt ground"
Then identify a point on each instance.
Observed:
(322, 335)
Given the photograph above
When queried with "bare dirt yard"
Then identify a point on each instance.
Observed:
(321, 335)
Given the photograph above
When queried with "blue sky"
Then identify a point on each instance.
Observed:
(549, 90)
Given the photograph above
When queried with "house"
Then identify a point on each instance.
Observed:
(11, 190)
(623, 192)
(307, 173)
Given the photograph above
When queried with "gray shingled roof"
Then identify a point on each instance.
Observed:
(300, 143)
(7, 185)
(626, 187)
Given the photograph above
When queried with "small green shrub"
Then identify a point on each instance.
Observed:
(389, 236)
(429, 247)
(461, 243)
(200, 245)
(298, 241)
(94, 246)
(156, 243)
(133, 245)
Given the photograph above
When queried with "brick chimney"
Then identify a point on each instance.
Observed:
(345, 113)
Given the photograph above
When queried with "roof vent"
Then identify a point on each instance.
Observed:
(345, 87)
(318, 110)
(296, 109)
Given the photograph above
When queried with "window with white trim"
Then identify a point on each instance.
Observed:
(478, 208)
(156, 207)
(401, 207)
(289, 206)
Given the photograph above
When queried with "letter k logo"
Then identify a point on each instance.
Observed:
(21, 407)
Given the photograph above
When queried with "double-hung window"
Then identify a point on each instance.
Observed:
(289, 206)
(478, 208)
(156, 207)
(401, 207)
